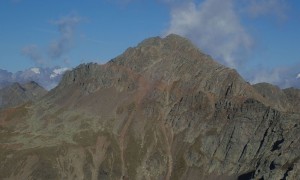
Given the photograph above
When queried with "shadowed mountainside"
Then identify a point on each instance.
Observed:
(161, 110)
(17, 94)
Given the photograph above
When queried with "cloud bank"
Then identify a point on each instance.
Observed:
(284, 77)
(66, 28)
(58, 47)
(215, 27)
(32, 52)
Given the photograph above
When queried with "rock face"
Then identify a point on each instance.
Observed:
(293, 96)
(17, 94)
(161, 110)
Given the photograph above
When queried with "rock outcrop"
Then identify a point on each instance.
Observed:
(293, 96)
(161, 110)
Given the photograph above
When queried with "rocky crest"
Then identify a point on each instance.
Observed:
(161, 110)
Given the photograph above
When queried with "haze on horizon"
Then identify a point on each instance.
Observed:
(259, 38)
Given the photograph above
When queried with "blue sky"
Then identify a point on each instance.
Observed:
(259, 37)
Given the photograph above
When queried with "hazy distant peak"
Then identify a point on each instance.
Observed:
(298, 76)
(47, 77)
(36, 70)
(57, 72)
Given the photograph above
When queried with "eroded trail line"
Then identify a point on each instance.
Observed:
(169, 142)
(121, 140)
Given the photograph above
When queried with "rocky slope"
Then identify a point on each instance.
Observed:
(161, 110)
(17, 94)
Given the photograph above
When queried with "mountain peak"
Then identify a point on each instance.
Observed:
(36, 70)
(32, 85)
(17, 94)
(165, 60)
(177, 38)
(161, 110)
(169, 49)
(171, 41)
(171, 38)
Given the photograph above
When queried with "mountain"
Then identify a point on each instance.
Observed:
(161, 110)
(5, 78)
(46, 77)
(17, 94)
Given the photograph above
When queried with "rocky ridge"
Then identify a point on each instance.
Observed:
(161, 110)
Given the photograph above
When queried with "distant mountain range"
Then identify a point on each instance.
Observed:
(46, 77)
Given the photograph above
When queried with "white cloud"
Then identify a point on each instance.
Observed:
(271, 76)
(214, 26)
(66, 27)
(57, 48)
(32, 51)
(282, 76)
